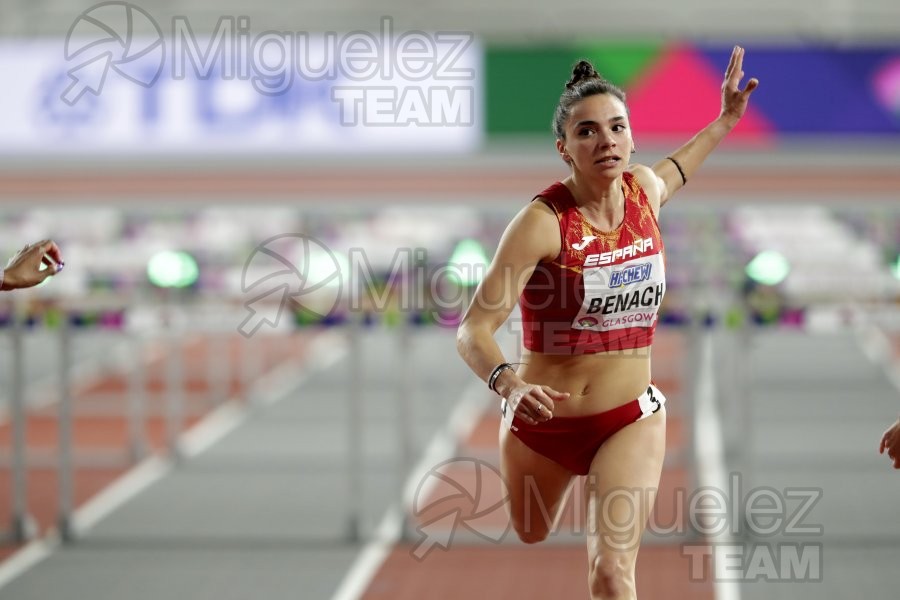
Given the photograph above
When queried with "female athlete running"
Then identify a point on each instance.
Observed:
(586, 265)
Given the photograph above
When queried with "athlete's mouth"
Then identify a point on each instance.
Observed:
(607, 160)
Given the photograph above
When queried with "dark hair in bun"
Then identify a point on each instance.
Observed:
(584, 83)
(583, 70)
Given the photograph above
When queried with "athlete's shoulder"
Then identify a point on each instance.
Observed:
(535, 226)
(644, 177)
(539, 215)
(540, 211)
(557, 196)
(649, 182)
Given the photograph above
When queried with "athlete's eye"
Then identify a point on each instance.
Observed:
(585, 131)
(618, 127)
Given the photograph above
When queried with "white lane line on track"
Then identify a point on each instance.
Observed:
(443, 445)
(709, 447)
(326, 349)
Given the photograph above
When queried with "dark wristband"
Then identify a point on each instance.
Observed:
(495, 374)
(680, 170)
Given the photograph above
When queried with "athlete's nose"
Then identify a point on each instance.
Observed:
(607, 140)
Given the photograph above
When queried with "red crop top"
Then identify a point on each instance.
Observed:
(604, 290)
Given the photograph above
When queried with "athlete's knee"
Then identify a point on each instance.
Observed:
(531, 533)
(611, 575)
(532, 522)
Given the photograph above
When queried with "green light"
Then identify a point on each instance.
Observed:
(895, 268)
(171, 269)
(768, 268)
(325, 269)
(468, 262)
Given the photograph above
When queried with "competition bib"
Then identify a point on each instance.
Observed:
(650, 401)
(622, 296)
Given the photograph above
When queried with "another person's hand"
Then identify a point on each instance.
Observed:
(24, 269)
(734, 99)
(890, 441)
(534, 403)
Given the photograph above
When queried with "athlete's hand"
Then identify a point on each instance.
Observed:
(24, 269)
(734, 99)
(534, 403)
(890, 441)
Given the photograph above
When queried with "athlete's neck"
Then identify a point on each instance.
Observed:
(603, 203)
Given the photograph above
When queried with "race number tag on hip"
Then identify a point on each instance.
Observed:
(651, 401)
(621, 296)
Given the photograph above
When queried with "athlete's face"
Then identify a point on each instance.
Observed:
(598, 138)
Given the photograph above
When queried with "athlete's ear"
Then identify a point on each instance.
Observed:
(561, 148)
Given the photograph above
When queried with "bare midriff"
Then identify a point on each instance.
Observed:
(595, 382)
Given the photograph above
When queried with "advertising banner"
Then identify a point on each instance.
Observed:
(103, 89)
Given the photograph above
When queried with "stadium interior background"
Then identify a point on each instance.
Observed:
(245, 380)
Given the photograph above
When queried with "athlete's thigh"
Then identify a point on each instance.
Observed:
(622, 485)
(537, 485)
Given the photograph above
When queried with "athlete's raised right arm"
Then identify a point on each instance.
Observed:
(532, 236)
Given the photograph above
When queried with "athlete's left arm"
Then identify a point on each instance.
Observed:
(664, 179)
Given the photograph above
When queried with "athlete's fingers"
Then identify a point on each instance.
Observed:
(536, 404)
(883, 443)
(522, 409)
(539, 404)
(730, 69)
(739, 67)
(539, 410)
(522, 414)
(554, 394)
(50, 248)
(542, 404)
(541, 396)
(734, 77)
(32, 249)
(751, 85)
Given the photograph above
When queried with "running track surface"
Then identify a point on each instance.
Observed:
(549, 570)
(467, 569)
(100, 430)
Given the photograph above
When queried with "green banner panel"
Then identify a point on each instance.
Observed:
(524, 83)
